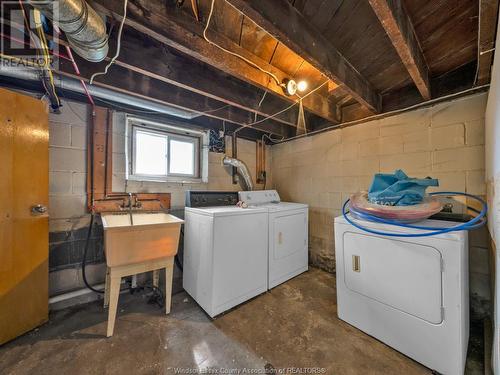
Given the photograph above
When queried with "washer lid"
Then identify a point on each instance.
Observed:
(284, 206)
(226, 210)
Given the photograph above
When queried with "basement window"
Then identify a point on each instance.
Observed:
(165, 152)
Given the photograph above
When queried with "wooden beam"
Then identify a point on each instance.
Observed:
(174, 28)
(399, 28)
(290, 27)
(142, 54)
(129, 82)
(489, 14)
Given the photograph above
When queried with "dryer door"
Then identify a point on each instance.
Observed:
(289, 234)
(287, 245)
(403, 275)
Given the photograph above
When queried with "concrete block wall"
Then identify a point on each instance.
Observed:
(445, 141)
(68, 217)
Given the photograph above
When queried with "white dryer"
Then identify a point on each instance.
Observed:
(410, 293)
(225, 251)
(288, 234)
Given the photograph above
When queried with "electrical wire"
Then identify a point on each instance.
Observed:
(250, 62)
(260, 103)
(390, 113)
(77, 71)
(282, 111)
(82, 82)
(46, 56)
(474, 223)
(118, 45)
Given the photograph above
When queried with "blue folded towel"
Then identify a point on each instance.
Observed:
(398, 189)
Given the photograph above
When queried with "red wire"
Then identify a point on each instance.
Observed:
(77, 71)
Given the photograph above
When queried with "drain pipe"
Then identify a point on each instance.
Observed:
(242, 170)
(84, 28)
(74, 85)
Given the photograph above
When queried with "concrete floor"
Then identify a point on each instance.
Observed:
(294, 325)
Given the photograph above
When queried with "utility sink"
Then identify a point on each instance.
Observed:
(139, 237)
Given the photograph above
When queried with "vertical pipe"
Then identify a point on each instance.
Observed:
(234, 153)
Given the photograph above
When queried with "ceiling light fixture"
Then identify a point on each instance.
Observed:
(289, 86)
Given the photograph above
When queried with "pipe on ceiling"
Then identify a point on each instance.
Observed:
(74, 85)
(84, 28)
(242, 170)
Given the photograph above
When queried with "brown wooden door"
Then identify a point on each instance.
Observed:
(24, 173)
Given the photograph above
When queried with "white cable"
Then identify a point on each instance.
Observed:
(263, 97)
(280, 112)
(118, 45)
(272, 75)
(387, 114)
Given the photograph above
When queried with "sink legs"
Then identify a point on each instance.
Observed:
(169, 274)
(113, 282)
(114, 292)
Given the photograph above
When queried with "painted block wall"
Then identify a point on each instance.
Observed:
(68, 218)
(445, 141)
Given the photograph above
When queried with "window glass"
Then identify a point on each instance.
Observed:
(150, 154)
(182, 157)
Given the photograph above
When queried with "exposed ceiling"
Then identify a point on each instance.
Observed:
(368, 56)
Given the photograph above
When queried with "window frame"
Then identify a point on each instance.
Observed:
(171, 131)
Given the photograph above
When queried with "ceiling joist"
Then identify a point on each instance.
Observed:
(399, 28)
(174, 28)
(488, 25)
(290, 27)
(135, 84)
(143, 55)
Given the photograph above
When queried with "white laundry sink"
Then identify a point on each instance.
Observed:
(139, 237)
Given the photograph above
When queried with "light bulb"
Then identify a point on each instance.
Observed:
(302, 86)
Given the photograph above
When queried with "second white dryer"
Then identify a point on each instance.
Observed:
(287, 234)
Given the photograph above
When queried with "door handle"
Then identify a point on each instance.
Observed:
(38, 209)
(356, 264)
(280, 238)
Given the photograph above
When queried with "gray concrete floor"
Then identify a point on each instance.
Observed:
(294, 325)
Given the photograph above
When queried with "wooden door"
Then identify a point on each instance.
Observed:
(24, 172)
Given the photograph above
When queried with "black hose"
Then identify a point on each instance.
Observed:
(84, 260)
(177, 258)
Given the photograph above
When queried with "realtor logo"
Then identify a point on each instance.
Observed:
(27, 38)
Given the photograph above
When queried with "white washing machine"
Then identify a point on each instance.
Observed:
(225, 251)
(288, 234)
(410, 293)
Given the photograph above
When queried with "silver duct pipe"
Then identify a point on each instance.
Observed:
(85, 30)
(74, 85)
(242, 170)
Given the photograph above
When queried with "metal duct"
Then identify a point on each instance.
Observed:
(74, 85)
(242, 170)
(85, 30)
